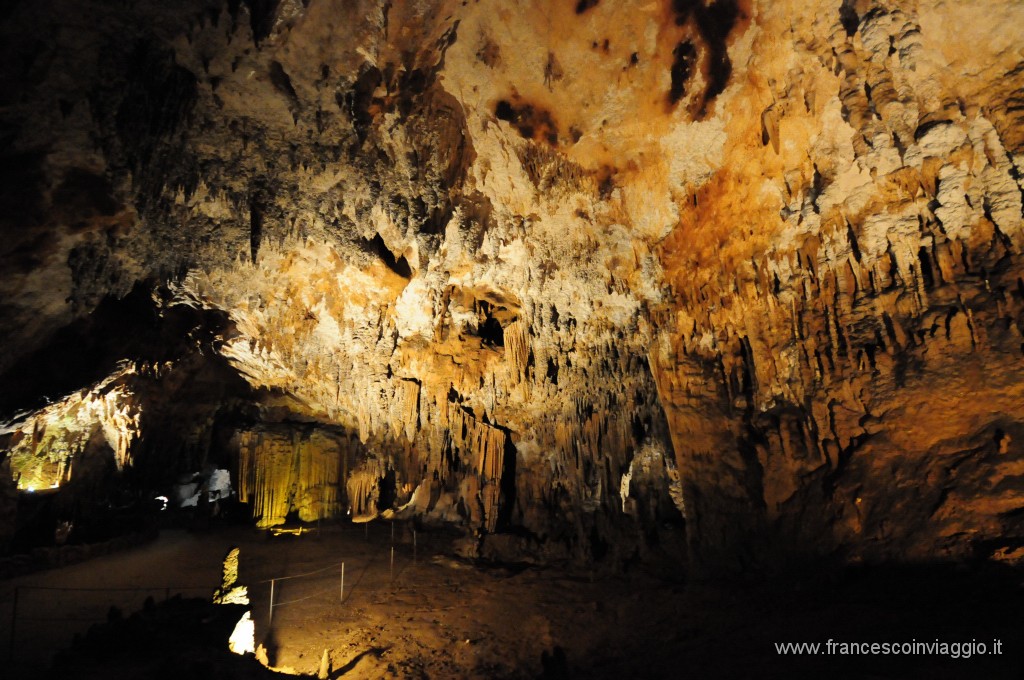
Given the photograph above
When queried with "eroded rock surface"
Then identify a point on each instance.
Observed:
(565, 270)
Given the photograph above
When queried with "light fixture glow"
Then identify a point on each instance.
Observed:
(242, 640)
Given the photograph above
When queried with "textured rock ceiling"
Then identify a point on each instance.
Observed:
(564, 268)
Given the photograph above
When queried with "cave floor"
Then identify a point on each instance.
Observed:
(434, 616)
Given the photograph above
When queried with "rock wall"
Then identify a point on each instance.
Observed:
(844, 365)
(570, 269)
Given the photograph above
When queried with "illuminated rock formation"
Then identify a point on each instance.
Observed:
(43, 446)
(279, 474)
(569, 269)
(229, 592)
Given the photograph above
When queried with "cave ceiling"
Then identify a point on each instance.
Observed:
(761, 260)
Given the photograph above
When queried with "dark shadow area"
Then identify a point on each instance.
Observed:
(42, 516)
(490, 330)
(555, 664)
(399, 266)
(270, 646)
(179, 638)
(507, 502)
(723, 630)
(388, 490)
(89, 349)
(375, 651)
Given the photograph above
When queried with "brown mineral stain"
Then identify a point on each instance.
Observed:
(704, 31)
(532, 121)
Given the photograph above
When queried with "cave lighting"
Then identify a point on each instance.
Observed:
(243, 638)
(46, 443)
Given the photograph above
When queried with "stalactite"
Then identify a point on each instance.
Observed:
(517, 349)
(363, 486)
(245, 482)
(279, 473)
(482, 446)
(43, 446)
(404, 410)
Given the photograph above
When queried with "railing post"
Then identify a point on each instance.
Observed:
(341, 590)
(270, 618)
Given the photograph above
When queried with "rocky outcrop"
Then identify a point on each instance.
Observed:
(845, 370)
(569, 272)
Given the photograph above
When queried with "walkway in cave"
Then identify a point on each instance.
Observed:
(177, 562)
(437, 616)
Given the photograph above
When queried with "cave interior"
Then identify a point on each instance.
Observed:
(602, 339)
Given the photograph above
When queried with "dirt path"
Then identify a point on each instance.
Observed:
(49, 617)
(422, 615)
(431, 616)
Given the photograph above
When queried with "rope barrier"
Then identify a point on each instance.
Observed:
(360, 583)
(122, 589)
(309, 573)
(308, 597)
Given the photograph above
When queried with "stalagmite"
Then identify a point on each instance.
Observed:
(554, 273)
(229, 592)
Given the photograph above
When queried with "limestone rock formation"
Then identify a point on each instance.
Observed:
(565, 270)
(229, 592)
